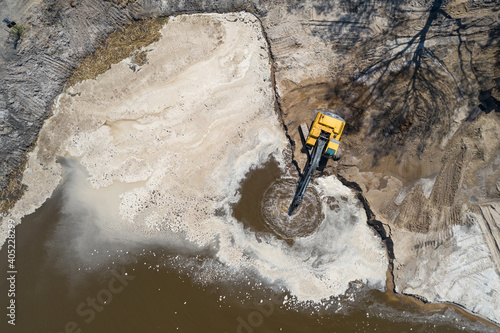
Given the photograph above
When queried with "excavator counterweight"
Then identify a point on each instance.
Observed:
(324, 139)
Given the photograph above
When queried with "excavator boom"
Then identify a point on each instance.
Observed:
(311, 167)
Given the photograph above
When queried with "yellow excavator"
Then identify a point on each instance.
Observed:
(324, 140)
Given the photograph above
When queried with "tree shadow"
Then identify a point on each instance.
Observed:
(413, 86)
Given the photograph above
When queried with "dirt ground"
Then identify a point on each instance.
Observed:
(420, 94)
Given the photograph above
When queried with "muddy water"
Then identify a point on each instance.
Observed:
(141, 288)
(265, 201)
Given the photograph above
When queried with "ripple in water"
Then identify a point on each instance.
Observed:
(276, 202)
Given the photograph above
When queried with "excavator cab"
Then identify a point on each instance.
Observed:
(333, 126)
(324, 139)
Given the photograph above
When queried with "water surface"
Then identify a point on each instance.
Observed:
(171, 291)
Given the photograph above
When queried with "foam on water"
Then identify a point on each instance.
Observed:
(342, 249)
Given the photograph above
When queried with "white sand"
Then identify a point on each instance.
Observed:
(462, 272)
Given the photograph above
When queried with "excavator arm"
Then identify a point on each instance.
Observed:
(309, 170)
